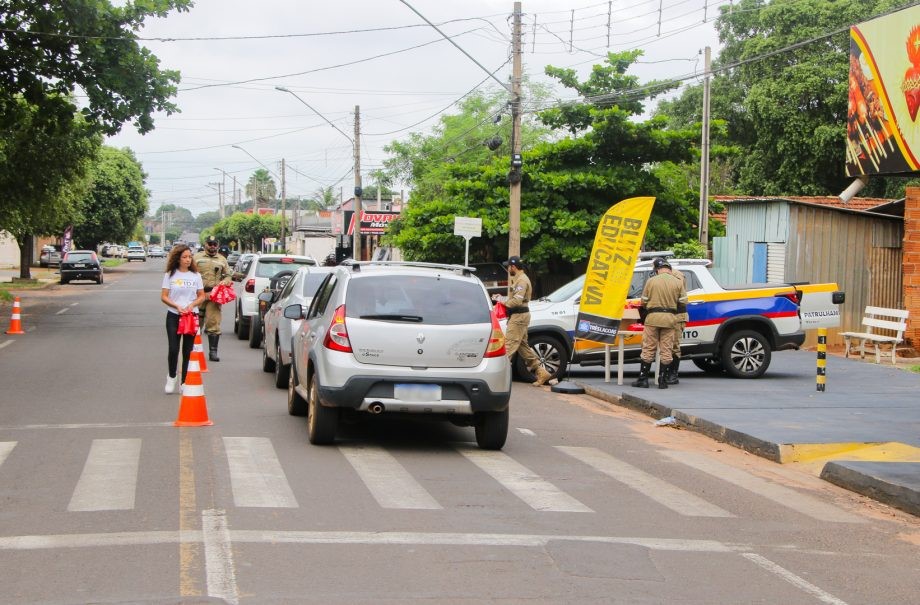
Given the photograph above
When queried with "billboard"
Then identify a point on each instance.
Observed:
(883, 136)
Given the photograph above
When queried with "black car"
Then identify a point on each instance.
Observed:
(81, 264)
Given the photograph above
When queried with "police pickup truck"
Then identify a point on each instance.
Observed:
(731, 330)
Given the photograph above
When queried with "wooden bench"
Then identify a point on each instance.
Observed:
(892, 321)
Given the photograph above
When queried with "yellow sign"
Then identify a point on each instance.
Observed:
(610, 268)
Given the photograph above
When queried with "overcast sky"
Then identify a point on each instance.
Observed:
(232, 54)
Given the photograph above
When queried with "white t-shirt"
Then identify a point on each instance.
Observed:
(183, 288)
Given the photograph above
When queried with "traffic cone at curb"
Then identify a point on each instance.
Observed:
(15, 323)
(198, 353)
(193, 409)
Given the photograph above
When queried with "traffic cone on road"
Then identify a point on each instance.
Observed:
(198, 352)
(193, 408)
(15, 323)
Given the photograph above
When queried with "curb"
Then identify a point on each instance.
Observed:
(858, 477)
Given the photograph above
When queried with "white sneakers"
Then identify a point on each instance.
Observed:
(170, 385)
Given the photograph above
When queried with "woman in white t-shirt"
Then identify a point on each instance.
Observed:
(183, 291)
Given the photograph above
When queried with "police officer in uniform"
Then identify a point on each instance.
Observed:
(519, 291)
(214, 270)
(663, 297)
(682, 319)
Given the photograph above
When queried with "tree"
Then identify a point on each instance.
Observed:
(116, 202)
(179, 219)
(261, 188)
(322, 199)
(51, 50)
(44, 173)
(206, 219)
(247, 229)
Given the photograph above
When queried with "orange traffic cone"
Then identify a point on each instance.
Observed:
(15, 323)
(198, 352)
(193, 409)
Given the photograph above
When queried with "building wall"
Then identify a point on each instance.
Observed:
(748, 222)
(911, 264)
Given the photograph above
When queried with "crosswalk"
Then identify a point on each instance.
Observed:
(111, 473)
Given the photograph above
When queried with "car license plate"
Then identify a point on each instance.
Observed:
(80, 265)
(417, 392)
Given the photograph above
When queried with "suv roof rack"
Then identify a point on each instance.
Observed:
(356, 265)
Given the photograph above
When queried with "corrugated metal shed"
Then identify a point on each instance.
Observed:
(859, 250)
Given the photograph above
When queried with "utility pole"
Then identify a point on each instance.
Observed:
(358, 191)
(514, 176)
(283, 217)
(704, 156)
(235, 202)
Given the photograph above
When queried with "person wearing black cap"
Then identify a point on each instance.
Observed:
(663, 297)
(519, 291)
(214, 270)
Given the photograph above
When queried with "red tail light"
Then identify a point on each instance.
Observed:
(792, 296)
(250, 285)
(496, 346)
(337, 334)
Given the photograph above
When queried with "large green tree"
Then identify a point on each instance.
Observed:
(261, 188)
(248, 230)
(116, 201)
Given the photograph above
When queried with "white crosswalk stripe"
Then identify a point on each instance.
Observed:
(388, 481)
(785, 496)
(109, 478)
(256, 476)
(5, 448)
(671, 496)
(522, 482)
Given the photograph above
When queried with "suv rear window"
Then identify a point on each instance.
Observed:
(436, 300)
(269, 267)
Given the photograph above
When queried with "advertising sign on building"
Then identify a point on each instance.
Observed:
(883, 133)
(372, 221)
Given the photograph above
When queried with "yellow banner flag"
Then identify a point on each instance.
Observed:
(610, 268)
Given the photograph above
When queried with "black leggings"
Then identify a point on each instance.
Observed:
(188, 342)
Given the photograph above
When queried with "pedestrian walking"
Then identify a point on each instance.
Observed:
(519, 292)
(681, 318)
(663, 297)
(182, 293)
(214, 270)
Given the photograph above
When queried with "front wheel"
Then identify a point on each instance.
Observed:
(281, 369)
(322, 422)
(255, 331)
(746, 354)
(492, 429)
(297, 405)
(268, 364)
(549, 351)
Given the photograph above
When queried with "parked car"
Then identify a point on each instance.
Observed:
(400, 338)
(49, 257)
(136, 253)
(81, 264)
(232, 259)
(278, 329)
(242, 265)
(156, 252)
(247, 322)
(494, 276)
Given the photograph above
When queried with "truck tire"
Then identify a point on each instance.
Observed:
(552, 356)
(746, 354)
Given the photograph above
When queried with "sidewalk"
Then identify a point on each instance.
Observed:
(43, 274)
(862, 433)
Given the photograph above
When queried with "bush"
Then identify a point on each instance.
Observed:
(692, 249)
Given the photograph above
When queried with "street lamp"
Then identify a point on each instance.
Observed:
(356, 147)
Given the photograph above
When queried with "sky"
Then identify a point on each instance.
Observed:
(379, 55)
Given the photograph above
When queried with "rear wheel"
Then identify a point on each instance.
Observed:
(746, 354)
(549, 351)
(99, 279)
(64, 280)
(492, 429)
(297, 405)
(281, 369)
(322, 422)
(255, 331)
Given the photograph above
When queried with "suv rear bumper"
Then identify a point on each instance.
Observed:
(458, 396)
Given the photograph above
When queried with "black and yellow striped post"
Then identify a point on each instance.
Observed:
(822, 358)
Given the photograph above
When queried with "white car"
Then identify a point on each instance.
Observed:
(247, 321)
(137, 253)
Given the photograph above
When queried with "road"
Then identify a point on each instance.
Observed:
(103, 500)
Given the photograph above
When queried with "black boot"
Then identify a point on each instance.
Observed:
(642, 380)
(672, 375)
(664, 371)
(213, 339)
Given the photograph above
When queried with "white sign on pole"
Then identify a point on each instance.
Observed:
(467, 227)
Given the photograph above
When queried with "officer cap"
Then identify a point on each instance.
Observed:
(514, 261)
(211, 240)
(660, 262)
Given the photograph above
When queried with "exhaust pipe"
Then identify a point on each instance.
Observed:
(375, 408)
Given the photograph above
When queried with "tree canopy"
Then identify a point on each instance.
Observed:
(261, 188)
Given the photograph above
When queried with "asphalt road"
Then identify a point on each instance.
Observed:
(103, 500)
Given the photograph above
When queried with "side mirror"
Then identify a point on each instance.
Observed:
(266, 296)
(237, 277)
(293, 311)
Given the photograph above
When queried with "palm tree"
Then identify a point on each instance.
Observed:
(261, 188)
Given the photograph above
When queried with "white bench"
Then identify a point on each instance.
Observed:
(892, 321)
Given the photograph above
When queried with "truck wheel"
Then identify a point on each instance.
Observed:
(297, 406)
(492, 430)
(746, 354)
(322, 422)
(551, 354)
(255, 331)
(710, 365)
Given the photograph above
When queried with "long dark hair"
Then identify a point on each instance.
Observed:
(172, 263)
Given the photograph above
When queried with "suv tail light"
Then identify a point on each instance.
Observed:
(792, 296)
(337, 335)
(496, 346)
(250, 285)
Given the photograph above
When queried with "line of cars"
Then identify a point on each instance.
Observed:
(363, 339)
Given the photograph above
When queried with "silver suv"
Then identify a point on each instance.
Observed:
(400, 338)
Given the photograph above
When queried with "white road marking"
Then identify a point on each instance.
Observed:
(5, 448)
(803, 503)
(662, 492)
(100, 425)
(6, 343)
(522, 482)
(793, 579)
(527, 432)
(74, 304)
(218, 556)
(109, 477)
(388, 481)
(256, 475)
(62, 311)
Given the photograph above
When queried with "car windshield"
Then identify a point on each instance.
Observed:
(270, 266)
(428, 299)
(567, 291)
(79, 257)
